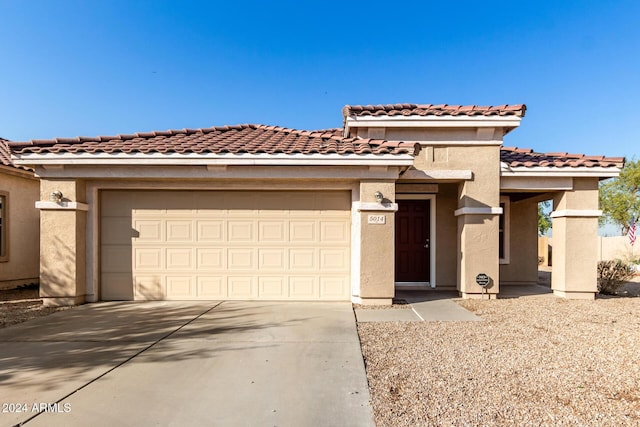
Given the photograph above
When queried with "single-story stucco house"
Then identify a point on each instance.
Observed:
(402, 196)
(19, 222)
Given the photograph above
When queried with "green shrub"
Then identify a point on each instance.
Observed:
(612, 275)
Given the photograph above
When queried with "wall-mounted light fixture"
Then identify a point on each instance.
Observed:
(56, 196)
(379, 197)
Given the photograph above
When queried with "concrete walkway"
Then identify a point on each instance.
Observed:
(427, 306)
(177, 364)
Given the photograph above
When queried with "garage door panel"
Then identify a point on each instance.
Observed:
(117, 287)
(210, 259)
(273, 231)
(334, 232)
(212, 287)
(225, 245)
(302, 259)
(148, 259)
(241, 231)
(116, 203)
(180, 259)
(122, 231)
(303, 231)
(180, 287)
(242, 287)
(179, 230)
(333, 287)
(334, 259)
(149, 230)
(149, 287)
(273, 287)
(304, 287)
(272, 259)
(210, 231)
(116, 259)
(241, 259)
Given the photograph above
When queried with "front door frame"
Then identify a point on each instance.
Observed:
(432, 244)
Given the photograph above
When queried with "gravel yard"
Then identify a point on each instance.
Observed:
(20, 305)
(535, 361)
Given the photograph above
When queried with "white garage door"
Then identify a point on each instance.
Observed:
(185, 245)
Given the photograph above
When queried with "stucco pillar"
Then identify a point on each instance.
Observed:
(478, 225)
(377, 258)
(575, 240)
(62, 242)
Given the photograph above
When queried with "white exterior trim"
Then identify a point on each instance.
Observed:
(478, 211)
(432, 121)
(212, 159)
(532, 183)
(576, 213)
(356, 234)
(581, 171)
(372, 206)
(507, 230)
(231, 173)
(70, 206)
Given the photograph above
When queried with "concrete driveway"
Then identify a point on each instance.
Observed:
(168, 363)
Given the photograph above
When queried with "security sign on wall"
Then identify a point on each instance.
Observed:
(483, 280)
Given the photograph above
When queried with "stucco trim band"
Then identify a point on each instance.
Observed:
(69, 206)
(444, 175)
(478, 211)
(368, 206)
(576, 213)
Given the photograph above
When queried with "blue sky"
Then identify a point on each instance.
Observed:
(97, 67)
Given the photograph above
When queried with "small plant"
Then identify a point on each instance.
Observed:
(612, 275)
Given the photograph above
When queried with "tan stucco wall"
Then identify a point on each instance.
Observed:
(63, 245)
(446, 236)
(617, 247)
(377, 245)
(575, 242)
(523, 244)
(477, 234)
(21, 263)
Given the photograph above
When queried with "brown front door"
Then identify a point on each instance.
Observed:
(413, 241)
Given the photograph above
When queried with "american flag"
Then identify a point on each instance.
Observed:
(632, 232)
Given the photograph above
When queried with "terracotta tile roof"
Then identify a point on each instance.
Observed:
(248, 138)
(433, 110)
(5, 155)
(526, 157)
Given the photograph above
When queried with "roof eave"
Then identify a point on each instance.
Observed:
(567, 171)
(509, 122)
(139, 159)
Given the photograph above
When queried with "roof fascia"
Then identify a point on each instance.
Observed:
(544, 171)
(10, 170)
(432, 121)
(213, 159)
(230, 173)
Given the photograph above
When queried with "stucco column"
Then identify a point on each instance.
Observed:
(478, 224)
(62, 242)
(377, 231)
(575, 240)
(478, 251)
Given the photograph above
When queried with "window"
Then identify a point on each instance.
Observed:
(3, 227)
(503, 230)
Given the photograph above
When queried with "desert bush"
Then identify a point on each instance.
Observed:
(612, 275)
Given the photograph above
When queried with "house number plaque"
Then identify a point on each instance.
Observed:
(377, 219)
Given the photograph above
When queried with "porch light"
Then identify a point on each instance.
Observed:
(379, 197)
(56, 196)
